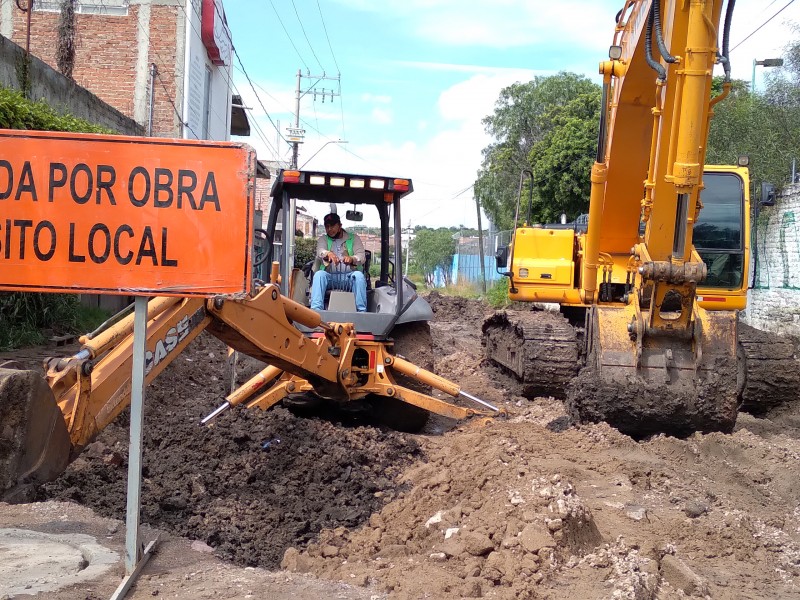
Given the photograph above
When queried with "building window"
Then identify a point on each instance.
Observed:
(87, 7)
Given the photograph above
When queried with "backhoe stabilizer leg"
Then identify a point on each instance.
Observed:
(279, 391)
(435, 381)
(431, 404)
(244, 391)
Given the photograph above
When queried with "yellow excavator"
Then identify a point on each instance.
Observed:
(649, 285)
(46, 422)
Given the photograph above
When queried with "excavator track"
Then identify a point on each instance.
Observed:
(542, 350)
(773, 373)
(540, 347)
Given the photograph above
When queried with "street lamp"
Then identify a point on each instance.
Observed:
(320, 150)
(767, 62)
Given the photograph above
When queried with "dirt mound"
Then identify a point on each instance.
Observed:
(516, 511)
(251, 485)
(508, 509)
(480, 514)
(456, 308)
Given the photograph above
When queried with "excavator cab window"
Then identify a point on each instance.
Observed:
(718, 233)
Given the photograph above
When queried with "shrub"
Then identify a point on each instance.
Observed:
(497, 295)
(26, 318)
(304, 249)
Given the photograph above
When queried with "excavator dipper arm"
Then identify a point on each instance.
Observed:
(46, 424)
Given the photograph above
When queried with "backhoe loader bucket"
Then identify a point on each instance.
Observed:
(34, 441)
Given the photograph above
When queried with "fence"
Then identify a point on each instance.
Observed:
(466, 265)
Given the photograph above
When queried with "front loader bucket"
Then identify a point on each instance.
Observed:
(34, 441)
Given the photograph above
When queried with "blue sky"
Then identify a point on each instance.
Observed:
(417, 77)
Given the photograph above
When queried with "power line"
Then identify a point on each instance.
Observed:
(263, 137)
(172, 102)
(291, 111)
(200, 36)
(325, 28)
(762, 25)
(264, 108)
(143, 30)
(335, 62)
(299, 20)
(287, 35)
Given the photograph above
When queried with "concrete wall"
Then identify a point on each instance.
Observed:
(59, 92)
(774, 302)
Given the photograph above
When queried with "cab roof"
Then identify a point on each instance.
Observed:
(340, 188)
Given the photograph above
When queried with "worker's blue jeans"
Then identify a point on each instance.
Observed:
(348, 282)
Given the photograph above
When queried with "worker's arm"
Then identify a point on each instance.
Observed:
(358, 249)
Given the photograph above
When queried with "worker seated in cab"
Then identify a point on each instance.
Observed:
(342, 256)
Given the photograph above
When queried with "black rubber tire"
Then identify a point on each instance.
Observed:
(398, 415)
(414, 342)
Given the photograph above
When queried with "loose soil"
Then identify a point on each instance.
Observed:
(522, 506)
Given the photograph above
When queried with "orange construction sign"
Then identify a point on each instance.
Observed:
(125, 215)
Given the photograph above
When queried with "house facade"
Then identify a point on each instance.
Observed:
(181, 51)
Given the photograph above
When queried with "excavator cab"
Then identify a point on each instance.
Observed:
(392, 298)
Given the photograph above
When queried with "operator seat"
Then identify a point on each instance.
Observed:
(344, 297)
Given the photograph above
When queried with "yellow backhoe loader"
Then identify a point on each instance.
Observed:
(650, 284)
(46, 422)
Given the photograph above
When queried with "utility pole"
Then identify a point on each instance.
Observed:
(480, 243)
(296, 134)
(408, 246)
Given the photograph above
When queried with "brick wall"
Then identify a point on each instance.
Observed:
(60, 93)
(114, 53)
(774, 302)
(163, 46)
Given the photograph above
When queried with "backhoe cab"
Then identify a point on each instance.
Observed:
(392, 299)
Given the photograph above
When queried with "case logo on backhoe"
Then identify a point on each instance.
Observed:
(124, 215)
(174, 336)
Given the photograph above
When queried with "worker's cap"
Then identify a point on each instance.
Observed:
(332, 219)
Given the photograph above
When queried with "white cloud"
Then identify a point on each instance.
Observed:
(382, 116)
(768, 42)
(475, 97)
(442, 166)
(440, 150)
(462, 68)
(376, 98)
(499, 23)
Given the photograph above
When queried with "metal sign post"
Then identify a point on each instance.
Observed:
(135, 558)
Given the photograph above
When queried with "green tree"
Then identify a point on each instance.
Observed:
(533, 116)
(432, 248)
(756, 126)
(764, 126)
(562, 161)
